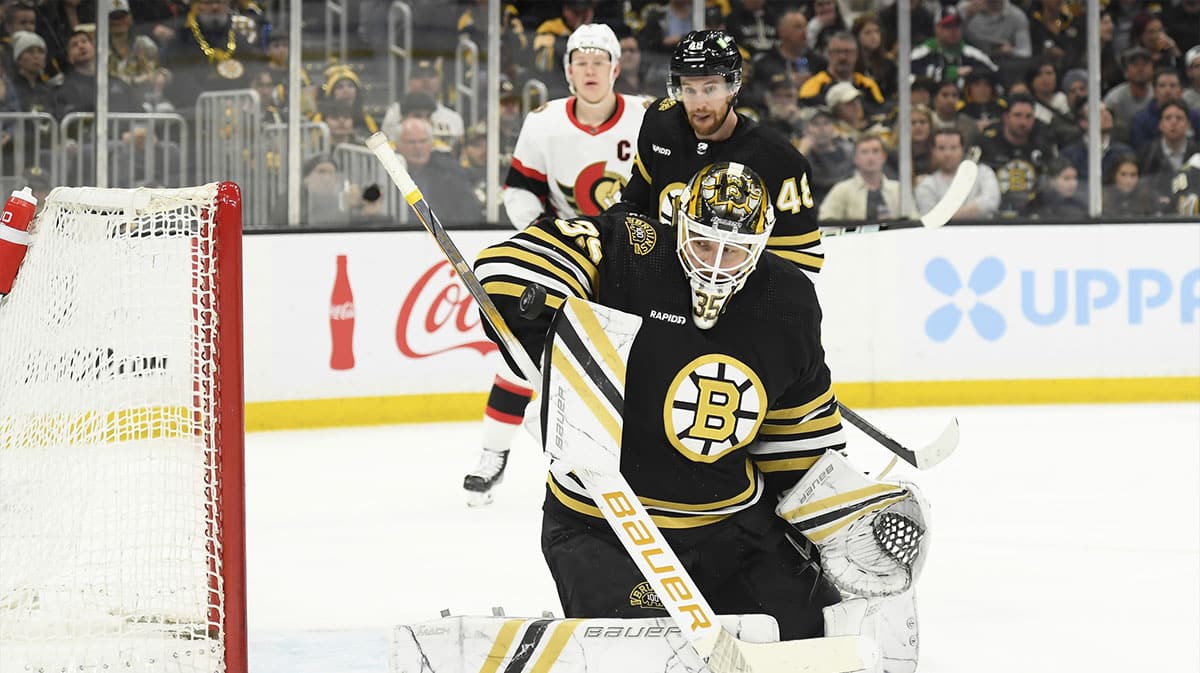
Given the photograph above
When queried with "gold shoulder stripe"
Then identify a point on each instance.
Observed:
(583, 263)
(514, 252)
(795, 241)
(799, 258)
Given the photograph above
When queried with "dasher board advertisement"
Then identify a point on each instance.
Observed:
(1016, 314)
(375, 327)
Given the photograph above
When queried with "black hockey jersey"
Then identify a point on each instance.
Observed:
(669, 154)
(1018, 168)
(714, 420)
(1185, 189)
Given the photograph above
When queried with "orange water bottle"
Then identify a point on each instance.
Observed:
(14, 235)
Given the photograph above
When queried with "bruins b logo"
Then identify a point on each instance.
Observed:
(715, 405)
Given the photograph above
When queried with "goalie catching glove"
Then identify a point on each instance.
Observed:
(872, 536)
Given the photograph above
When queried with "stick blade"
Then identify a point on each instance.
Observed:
(839, 654)
(939, 449)
(955, 196)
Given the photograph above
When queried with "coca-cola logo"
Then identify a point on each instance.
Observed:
(438, 304)
(344, 311)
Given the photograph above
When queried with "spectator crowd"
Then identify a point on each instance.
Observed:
(1003, 82)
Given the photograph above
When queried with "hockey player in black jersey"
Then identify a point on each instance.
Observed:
(1185, 188)
(696, 125)
(728, 400)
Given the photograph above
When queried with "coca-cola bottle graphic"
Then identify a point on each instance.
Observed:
(341, 319)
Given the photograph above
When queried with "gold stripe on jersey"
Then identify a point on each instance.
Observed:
(801, 259)
(776, 415)
(510, 252)
(495, 656)
(684, 521)
(585, 265)
(637, 163)
(788, 464)
(506, 288)
(833, 420)
(732, 501)
(600, 342)
(811, 238)
(586, 393)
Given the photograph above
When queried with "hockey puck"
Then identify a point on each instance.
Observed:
(533, 300)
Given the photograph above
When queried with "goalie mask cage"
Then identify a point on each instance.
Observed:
(121, 429)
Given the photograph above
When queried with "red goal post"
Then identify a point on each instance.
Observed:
(122, 522)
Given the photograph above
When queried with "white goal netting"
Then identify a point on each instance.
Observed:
(120, 486)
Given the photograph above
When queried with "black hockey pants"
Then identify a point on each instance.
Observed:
(742, 565)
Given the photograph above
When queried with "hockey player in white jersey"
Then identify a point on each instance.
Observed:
(573, 157)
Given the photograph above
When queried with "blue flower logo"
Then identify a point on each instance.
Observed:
(943, 277)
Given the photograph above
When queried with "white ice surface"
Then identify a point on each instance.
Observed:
(1065, 538)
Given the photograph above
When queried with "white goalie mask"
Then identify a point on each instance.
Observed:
(723, 218)
(593, 36)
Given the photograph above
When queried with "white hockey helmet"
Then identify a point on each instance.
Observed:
(725, 209)
(594, 36)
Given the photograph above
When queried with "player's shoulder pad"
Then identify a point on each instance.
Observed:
(665, 103)
(991, 132)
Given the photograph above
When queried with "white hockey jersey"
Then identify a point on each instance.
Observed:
(571, 169)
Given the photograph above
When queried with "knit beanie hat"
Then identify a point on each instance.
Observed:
(23, 40)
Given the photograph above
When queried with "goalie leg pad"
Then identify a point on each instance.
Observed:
(872, 536)
(891, 621)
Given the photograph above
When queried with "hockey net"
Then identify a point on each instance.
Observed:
(121, 492)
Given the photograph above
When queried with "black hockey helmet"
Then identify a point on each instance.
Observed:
(705, 52)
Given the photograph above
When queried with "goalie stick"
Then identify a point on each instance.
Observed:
(939, 449)
(954, 198)
(629, 519)
(921, 458)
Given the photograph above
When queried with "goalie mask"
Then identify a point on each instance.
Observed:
(598, 37)
(722, 220)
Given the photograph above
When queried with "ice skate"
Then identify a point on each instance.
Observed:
(487, 474)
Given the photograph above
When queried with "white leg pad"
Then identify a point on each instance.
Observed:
(891, 621)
